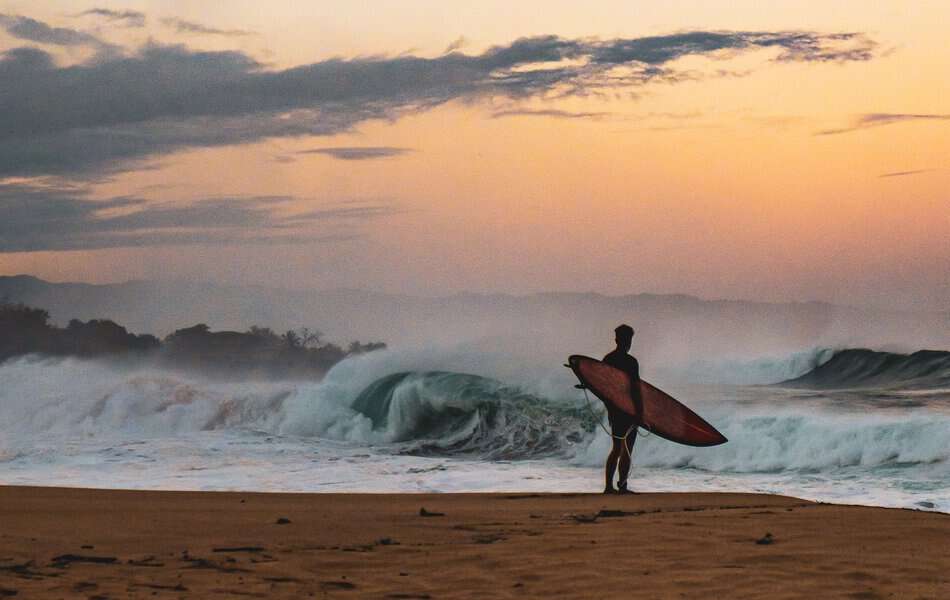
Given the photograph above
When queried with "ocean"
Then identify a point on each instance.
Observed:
(857, 428)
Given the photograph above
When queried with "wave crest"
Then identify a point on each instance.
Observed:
(448, 413)
(867, 368)
(458, 413)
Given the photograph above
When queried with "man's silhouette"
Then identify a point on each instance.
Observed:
(623, 426)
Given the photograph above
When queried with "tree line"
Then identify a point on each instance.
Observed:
(258, 353)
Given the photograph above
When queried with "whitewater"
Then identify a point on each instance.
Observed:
(460, 421)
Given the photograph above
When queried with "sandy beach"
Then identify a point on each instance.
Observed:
(98, 544)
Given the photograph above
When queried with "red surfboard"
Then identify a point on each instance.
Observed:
(662, 415)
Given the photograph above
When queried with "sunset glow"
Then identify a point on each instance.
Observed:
(733, 150)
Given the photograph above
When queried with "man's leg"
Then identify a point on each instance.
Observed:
(615, 453)
(626, 457)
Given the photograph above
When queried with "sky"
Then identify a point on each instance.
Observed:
(780, 151)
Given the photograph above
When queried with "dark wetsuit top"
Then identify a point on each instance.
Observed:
(621, 422)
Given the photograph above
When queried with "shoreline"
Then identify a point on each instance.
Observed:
(94, 543)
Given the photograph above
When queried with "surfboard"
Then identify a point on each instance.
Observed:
(662, 415)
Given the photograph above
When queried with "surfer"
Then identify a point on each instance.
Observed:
(623, 426)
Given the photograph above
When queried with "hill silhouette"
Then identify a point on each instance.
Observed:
(678, 336)
(258, 353)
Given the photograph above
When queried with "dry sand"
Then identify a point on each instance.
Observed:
(97, 544)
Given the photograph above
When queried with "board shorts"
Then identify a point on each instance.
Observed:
(621, 423)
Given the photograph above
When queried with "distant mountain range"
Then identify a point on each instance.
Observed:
(670, 327)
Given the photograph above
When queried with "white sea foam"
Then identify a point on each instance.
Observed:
(801, 440)
(83, 423)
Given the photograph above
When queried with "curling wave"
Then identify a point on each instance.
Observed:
(436, 412)
(421, 413)
(461, 414)
(861, 368)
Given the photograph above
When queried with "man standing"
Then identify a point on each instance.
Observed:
(623, 426)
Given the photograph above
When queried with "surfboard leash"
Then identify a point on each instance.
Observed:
(590, 408)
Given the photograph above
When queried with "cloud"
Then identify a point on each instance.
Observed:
(182, 26)
(25, 28)
(456, 45)
(905, 173)
(110, 113)
(94, 152)
(794, 46)
(553, 113)
(127, 18)
(359, 152)
(881, 119)
(37, 218)
(359, 211)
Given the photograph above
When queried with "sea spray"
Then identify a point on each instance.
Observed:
(420, 421)
(808, 440)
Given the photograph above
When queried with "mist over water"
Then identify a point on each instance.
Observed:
(471, 396)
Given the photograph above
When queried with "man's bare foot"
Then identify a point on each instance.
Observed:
(609, 490)
(622, 489)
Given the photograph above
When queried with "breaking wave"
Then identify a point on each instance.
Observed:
(806, 442)
(431, 411)
(762, 370)
(861, 368)
(424, 413)
(462, 414)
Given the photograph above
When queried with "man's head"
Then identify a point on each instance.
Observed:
(624, 336)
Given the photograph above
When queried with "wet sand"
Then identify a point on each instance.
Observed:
(99, 544)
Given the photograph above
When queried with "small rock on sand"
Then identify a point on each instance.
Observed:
(337, 585)
(65, 559)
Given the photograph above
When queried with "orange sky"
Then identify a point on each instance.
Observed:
(718, 187)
